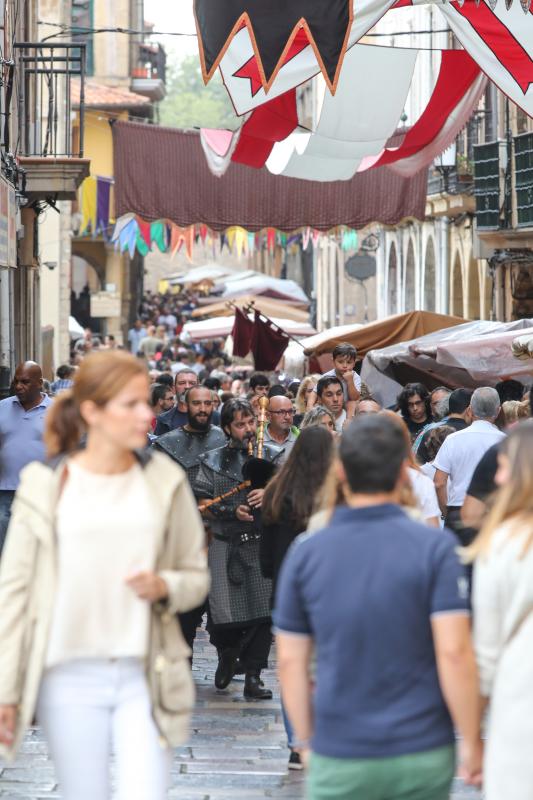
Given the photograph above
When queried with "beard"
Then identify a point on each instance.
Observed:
(200, 424)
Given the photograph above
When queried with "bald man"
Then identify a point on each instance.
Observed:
(280, 430)
(21, 434)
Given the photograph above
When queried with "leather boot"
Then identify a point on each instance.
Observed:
(253, 687)
(226, 668)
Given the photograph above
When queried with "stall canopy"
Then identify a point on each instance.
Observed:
(266, 305)
(220, 327)
(266, 286)
(178, 186)
(209, 272)
(470, 354)
(398, 328)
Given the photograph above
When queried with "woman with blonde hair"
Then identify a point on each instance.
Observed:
(503, 620)
(104, 548)
(307, 387)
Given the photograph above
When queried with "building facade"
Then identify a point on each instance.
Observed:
(124, 79)
(39, 171)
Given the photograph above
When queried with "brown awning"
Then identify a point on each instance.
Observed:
(391, 330)
(161, 173)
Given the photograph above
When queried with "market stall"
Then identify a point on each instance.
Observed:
(470, 354)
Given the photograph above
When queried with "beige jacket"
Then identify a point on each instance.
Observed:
(28, 585)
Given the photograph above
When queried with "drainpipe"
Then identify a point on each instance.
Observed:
(444, 265)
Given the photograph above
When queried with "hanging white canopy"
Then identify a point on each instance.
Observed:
(220, 327)
(354, 123)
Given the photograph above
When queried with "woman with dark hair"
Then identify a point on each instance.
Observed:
(414, 403)
(290, 499)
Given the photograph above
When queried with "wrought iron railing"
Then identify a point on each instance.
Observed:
(46, 79)
(449, 181)
(523, 148)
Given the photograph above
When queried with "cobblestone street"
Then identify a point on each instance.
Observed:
(237, 750)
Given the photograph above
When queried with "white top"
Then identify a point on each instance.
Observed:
(356, 382)
(503, 638)
(107, 529)
(429, 469)
(425, 493)
(339, 422)
(461, 453)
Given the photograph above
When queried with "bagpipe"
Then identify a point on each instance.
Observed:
(257, 470)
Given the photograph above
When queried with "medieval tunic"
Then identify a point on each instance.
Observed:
(240, 596)
(186, 447)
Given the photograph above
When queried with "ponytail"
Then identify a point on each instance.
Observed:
(64, 425)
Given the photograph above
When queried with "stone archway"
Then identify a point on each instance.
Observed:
(410, 278)
(456, 288)
(392, 278)
(474, 293)
(430, 285)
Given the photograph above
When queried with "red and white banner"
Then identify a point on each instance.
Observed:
(500, 41)
(353, 129)
(457, 92)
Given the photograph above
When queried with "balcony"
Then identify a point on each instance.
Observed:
(490, 163)
(449, 193)
(523, 146)
(54, 169)
(149, 76)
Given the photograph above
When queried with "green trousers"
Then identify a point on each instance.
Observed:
(420, 776)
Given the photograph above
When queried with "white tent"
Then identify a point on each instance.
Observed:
(265, 285)
(209, 272)
(220, 327)
(473, 354)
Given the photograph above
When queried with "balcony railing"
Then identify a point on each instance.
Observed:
(523, 147)
(152, 63)
(489, 184)
(46, 73)
(449, 182)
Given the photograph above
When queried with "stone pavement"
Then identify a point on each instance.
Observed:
(236, 751)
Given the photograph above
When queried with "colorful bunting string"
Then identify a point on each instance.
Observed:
(132, 234)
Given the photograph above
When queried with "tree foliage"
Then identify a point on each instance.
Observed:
(191, 104)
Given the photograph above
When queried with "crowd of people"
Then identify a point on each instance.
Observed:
(159, 487)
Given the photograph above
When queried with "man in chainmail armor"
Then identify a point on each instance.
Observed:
(239, 600)
(185, 446)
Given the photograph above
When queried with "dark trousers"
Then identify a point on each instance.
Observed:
(251, 645)
(465, 535)
(190, 621)
(6, 501)
(454, 522)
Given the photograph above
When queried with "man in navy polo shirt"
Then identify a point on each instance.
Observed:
(21, 434)
(383, 601)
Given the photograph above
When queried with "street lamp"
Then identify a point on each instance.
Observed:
(446, 163)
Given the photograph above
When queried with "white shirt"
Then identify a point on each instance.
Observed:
(461, 453)
(339, 422)
(429, 469)
(425, 493)
(356, 382)
(107, 528)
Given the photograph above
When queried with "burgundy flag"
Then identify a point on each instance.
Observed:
(242, 334)
(268, 344)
